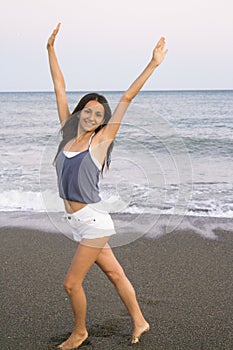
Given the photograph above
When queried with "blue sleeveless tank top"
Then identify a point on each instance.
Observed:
(78, 177)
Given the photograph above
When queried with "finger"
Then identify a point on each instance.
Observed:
(56, 29)
(161, 47)
(161, 39)
(161, 43)
(58, 26)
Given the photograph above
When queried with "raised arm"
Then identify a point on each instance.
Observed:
(58, 79)
(110, 130)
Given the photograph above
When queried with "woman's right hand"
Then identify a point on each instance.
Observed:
(51, 39)
(58, 79)
(159, 52)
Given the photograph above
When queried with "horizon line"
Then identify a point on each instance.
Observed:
(85, 91)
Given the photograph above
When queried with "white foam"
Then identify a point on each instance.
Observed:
(30, 201)
(135, 225)
(49, 201)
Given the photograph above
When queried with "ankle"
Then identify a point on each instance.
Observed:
(140, 323)
(80, 332)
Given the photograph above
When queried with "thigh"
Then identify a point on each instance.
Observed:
(85, 256)
(107, 261)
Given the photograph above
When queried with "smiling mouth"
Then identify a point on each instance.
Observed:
(89, 123)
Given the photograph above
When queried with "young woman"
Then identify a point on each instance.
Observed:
(88, 135)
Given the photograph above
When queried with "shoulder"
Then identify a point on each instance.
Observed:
(100, 139)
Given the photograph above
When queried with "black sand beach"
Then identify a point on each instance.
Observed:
(183, 282)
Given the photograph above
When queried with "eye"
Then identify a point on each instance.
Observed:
(87, 111)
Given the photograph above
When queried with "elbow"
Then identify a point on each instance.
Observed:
(59, 87)
(126, 98)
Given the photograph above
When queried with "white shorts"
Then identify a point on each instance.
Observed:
(92, 221)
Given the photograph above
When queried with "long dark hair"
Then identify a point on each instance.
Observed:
(70, 128)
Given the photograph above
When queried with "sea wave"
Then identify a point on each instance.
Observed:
(48, 201)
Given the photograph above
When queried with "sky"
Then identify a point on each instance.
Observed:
(104, 45)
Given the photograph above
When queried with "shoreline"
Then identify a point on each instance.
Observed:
(129, 227)
(183, 282)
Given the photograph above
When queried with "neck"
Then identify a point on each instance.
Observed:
(82, 134)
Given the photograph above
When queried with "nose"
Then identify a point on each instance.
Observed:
(91, 116)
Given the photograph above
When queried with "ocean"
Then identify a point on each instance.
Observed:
(172, 154)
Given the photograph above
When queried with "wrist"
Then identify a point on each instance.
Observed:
(50, 47)
(153, 64)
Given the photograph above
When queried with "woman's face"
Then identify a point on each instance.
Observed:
(91, 116)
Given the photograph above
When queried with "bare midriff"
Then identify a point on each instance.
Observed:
(71, 207)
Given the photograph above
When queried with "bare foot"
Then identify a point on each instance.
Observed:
(74, 341)
(139, 331)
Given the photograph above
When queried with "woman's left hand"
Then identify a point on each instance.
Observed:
(52, 37)
(159, 53)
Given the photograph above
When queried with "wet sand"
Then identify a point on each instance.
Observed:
(183, 283)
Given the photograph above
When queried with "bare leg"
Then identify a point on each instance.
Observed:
(86, 254)
(111, 267)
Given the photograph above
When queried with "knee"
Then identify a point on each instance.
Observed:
(71, 286)
(116, 276)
